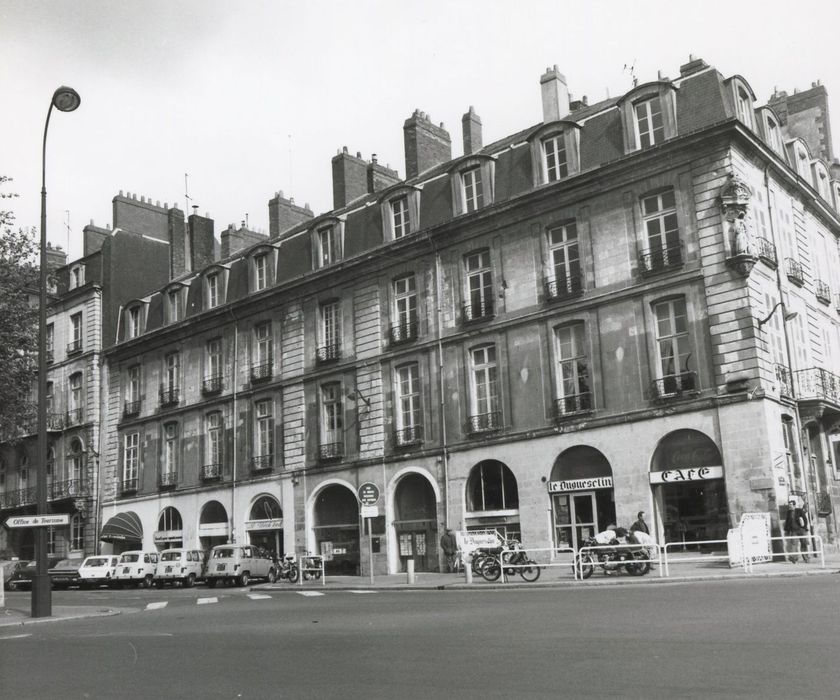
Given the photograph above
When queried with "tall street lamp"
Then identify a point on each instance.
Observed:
(65, 99)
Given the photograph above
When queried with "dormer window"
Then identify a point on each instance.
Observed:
(260, 271)
(802, 162)
(650, 129)
(774, 138)
(743, 106)
(742, 98)
(173, 305)
(77, 276)
(212, 290)
(648, 114)
(399, 216)
(473, 184)
(821, 180)
(132, 326)
(555, 160)
(472, 189)
(328, 244)
(400, 211)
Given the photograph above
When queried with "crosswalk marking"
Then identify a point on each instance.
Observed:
(157, 606)
(206, 601)
(309, 593)
(361, 592)
(259, 596)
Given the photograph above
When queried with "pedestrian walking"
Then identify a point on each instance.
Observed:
(449, 545)
(796, 529)
(640, 524)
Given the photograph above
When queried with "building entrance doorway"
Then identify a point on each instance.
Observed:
(265, 526)
(575, 518)
(417, 534)
(337, 530)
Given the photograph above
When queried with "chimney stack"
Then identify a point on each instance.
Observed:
(380, 177)
(426, 145)
(471, 128)
(283, 214)
(555, 95)
(56, 257)
(202, 241)
(349, 178)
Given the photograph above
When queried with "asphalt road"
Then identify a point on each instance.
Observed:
(728, 639)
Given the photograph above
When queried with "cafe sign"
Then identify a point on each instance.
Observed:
(675, 476)
(600, 482)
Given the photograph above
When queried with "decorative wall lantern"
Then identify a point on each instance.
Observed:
(735, 205)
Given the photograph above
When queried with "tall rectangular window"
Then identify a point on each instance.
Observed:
(744, 107)
(554, 152)
(405, 309)
(332, 415)
(484, 387)
(260, 271)
(170, 449)
(173, 306)
(673, 348)
(331, 329)
(659, 212)
(213, 427)
(213, 290)
(400, 218)
(573, 388)
(76, 331)
(650, 129)
(564, 258)
(50, 342)
(263, 351)
(50, 399)
(264, 429)
(75, 384)
(409, 410)
(213, 359)
(479, 285)
(132, 390)
(329, 245)
(472, 189)
(172, 372)
(133, 326)
(773, 135)
(131, 457)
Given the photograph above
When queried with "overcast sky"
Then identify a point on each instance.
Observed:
(251, 98)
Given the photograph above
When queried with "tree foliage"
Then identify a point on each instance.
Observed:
(18, 319)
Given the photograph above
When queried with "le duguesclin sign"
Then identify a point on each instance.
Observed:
(598, 482)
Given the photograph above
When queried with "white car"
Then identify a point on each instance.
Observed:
(136, 568)
(185, 566)
(97, 570)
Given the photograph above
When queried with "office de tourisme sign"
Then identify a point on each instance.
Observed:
(38, 520)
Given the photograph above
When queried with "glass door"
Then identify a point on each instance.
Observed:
(575, 518)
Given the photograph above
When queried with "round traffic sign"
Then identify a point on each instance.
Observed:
(368, 493)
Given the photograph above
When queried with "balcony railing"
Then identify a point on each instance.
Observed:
(260, 373)
(210, 472)
(212, 385)
(169, 397)
(50, 356)
(411, 435)
(817, 383)
(563, 288)
(837, 303)
(794, 273)
(168, 480)
(823, 292)
(74, 347)
(478, 310)
(328, 353)
(262, 464)
(330, 450)
(18, 499)
(75, 416)
(572, 405)
(662, 259)
(66, 489)
(131, 408)
(129, 485)
(484, 422)
(783, 379)
(403, 332)
(674, 385)
(766, 252)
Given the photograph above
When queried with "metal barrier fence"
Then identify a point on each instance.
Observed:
(669, 546)
(311, 566)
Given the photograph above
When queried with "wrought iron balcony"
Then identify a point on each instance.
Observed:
(131, 408)
(18, 499)
(55, 421)
(262, 464)
(674, 385)
(170, 396)
(75, 416)
(817, 383)
(478, 310)
(129, 485)
(74, 347)
(563, 288)
(261, 372)
(211, 472)
(823, 292)
(330, 451)
(403, 332)
(794, 273)
(212, 385)
(766, 252)
(484, 423)
(168, 480)
(656, 260)
(783, 379)
(408, 436)
(71, 488)
(572, 405)
(328, 353)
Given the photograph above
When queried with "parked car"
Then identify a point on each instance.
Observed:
(25, 574)
(240, 563)
(65, 573)
(10, 569)
(97, 570)
(186, 566)
(136, 568)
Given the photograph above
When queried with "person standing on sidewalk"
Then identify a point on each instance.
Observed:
(449, 545)
(796, 528)
(641, 534)
(640, 524)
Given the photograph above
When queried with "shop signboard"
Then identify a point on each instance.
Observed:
(675, 476)
(268, 524)
(161, 536)
(470, 541)
(750, 540)
(599, 482)
(213, 530)
(368, 493)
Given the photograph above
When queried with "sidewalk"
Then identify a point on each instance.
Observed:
(15, 616)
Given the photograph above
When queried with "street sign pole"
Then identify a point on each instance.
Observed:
(368, 494)
(370, 548)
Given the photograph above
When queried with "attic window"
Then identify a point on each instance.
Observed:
(77, 276)
(743, 104)
(132, 325)
(650, 128)
(773, 136)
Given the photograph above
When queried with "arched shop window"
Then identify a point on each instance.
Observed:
(170, 519)
(493, 499)
(266, 508)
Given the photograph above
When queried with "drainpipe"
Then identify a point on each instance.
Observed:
(439, 312)
(232, 536)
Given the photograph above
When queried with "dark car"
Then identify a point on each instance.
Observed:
(65, 573)
(10, 569)
(26, 573)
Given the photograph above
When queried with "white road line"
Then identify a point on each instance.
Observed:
(259, 596)
(206, 601)
(309, 594)
(157, 606)
(361, 592)
(15, 636)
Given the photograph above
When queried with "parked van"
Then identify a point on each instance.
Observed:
(97, 570)
(136, 568)
(239, 563)
(183, 565)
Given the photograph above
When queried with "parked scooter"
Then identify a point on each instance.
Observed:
(288, 569)
(612, 560)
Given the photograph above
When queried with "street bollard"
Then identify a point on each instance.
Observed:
(468, 571)
(409, 570)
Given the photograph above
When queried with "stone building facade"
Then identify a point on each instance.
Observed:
(630, 305)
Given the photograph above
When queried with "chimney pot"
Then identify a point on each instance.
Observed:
(426, 145)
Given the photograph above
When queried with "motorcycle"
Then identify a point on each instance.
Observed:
(288, 569)
(631, 560)
(311, 566)
(514, 559)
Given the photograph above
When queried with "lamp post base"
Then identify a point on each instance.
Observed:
(41, 595)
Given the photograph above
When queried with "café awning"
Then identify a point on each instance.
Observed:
(123, 527)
